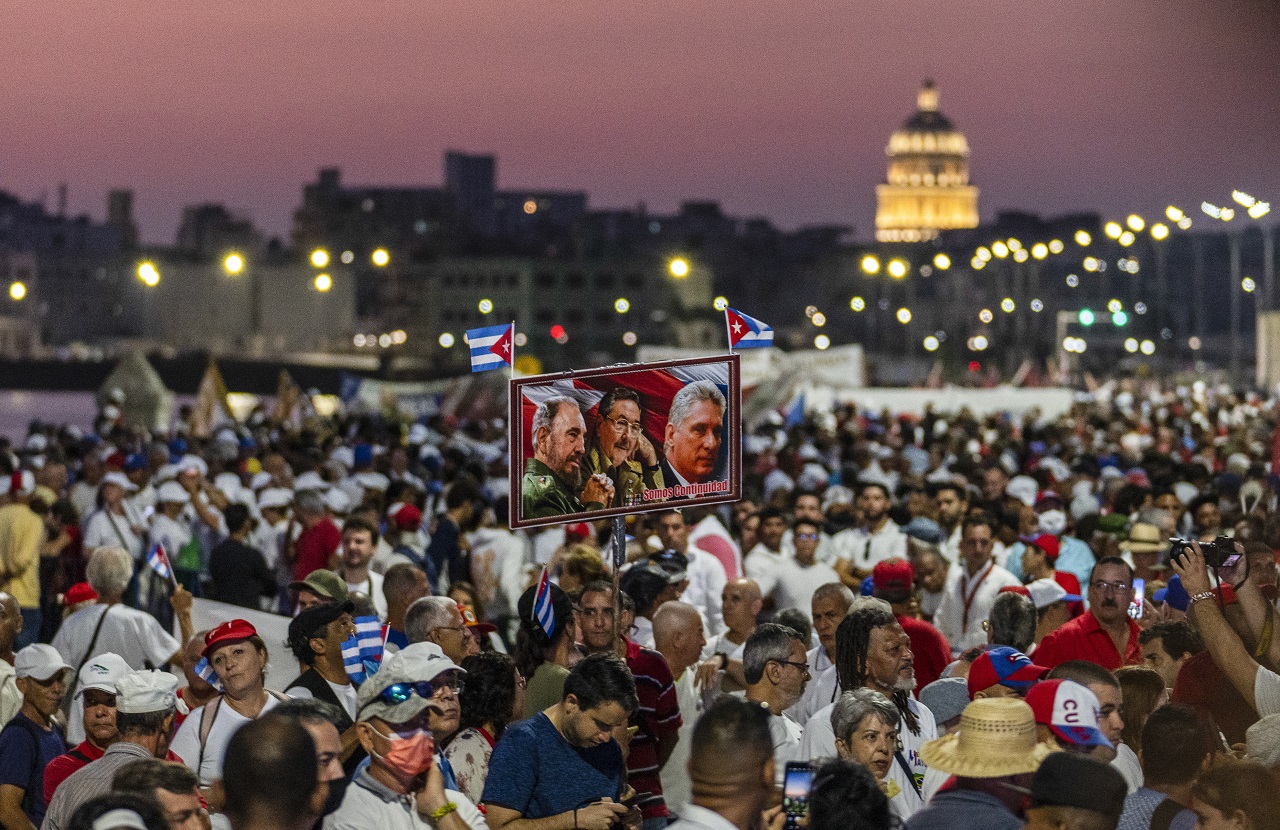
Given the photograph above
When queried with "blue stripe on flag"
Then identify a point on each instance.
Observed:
(206, 673)
(543, 612)
(351, 660)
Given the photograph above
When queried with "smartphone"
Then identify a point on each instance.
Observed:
(1139, 593)
(796, 783)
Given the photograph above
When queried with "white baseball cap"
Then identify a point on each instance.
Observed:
(274, 497)
(1045, 592)
(310, 481)
(173, 492)
(120, 479)
(39, 661)
(102, 672)
(146, 691)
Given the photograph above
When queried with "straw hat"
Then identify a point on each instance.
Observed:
(1144, 538)
(997, 737)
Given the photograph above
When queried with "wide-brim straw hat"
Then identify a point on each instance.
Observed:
(997, 737)
(1144, 538)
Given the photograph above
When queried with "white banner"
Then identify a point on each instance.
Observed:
(282, 666)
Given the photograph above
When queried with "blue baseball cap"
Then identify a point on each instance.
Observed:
(1004, 666)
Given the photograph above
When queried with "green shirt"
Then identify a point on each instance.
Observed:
(545, 494)
(630, 478)
(545, 688)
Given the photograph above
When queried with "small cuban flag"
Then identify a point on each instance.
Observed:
(206, 673)
(351, 660)
(158, 561)
(491, 347)
(369, 641)
(747, 332)
(543, 613)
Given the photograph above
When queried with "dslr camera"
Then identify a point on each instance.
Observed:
(1217, 553)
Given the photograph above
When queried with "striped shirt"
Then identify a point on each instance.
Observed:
(658, 716)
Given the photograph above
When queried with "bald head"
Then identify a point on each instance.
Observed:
(741, 602)
(262, 780)
(731, 754)
(678, 635)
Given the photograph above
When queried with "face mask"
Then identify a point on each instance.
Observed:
(337, 789)
(1053, 522)
(411, 754)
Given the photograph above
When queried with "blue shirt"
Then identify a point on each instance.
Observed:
(537, 773)
(1140, 805)
(958, 809)
(18, 767)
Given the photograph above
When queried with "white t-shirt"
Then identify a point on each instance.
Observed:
(821, 691)
(796, 584)
(1266, 692)
(1127, 764)
(865, 549)
(186, 743)
(135, 635)
(105, 529)
(786, 744)
(762, 565)
(964, 631)
(345, 692)
(677, 789)
(706, 584)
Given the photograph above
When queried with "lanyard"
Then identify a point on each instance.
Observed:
(968, 600)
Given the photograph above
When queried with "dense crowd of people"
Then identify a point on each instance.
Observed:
(942, 620)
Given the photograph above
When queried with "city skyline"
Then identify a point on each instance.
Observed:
(776, 112)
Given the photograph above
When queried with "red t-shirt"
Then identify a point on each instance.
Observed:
(1202, 685)
(315, 546)
(659, 714)
(930, 649)
(1084, 639)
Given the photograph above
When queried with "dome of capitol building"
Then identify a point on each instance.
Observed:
(927, 187)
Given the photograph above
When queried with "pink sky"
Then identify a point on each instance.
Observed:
(777, 110)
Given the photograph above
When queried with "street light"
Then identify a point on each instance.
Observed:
(897, 269)
(1113, 230)
(319, 257)
(17, 291)
(1135, 223)
(149, 275)
(233, 264)
(1083, 238)
(942, 262)
(1159, 231)
(380, 257)
(323, 282)
(870, 265)
(679, 268)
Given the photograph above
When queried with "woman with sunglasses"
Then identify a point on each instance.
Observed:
(492, 697)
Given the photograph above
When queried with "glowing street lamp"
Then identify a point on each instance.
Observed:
(897, 269)
(1135, 222)
(1000, 249)
(1112, 230)
(870, 265)
(1159, 231)
(319, 257)
(148, 274)
(679, 268)
(380, 257)
(17, 291)
(1174, 214)
(233, 264)
(942, 262)
(323, 282)
(1083, 238)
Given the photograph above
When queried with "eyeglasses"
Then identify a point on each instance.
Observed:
(1103, 587)
(804, 667)
(808, 537)
(623, 425)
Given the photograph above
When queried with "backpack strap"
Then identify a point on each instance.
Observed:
(35, 778)
(208, 714)
(1164, 814)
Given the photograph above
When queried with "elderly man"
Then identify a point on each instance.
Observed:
(33, 738)
(622, 451)
(1104, 634)
(97, 691)
(438, 620)
(775, 666)
(873, 651)
(146, 703)
(677, 636)
(110, 625)
(695, 426)
(553, 482)
(830, 605)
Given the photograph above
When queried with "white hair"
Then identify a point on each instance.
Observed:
(699, 390)
(547, 412)
(109, 571)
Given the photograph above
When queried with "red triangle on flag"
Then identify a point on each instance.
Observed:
(738, 327)
(502, 346)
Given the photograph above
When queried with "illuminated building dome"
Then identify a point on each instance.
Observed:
(927, 189)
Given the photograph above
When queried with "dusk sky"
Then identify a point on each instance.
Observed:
(780, 110)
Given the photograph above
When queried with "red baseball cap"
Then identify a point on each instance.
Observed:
(1004, 666)
(231, 631)
(405, 516)
(1047, 542)
(78, 593)
(469, 619)
(892, 576)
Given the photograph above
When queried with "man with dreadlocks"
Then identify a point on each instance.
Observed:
(873, 652)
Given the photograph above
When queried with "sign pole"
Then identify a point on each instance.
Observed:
(619, 559)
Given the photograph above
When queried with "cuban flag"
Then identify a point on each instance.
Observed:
(351, 660)
(369, 641)
(747, 332)
(491, 347)
(206, 673)
(543, 613)
(158, 561)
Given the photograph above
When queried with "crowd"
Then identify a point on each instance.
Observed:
(948, 620)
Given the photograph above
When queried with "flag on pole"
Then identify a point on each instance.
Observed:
(351, 660)
(491, 347)
(206, 673)
(747, 332)
(543, 613)
(369, 640)
(158, 561)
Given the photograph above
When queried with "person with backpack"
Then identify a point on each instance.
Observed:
(1177, 746)
(32, 738)
(238, 657)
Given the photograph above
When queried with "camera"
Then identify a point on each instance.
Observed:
(1218, 553)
